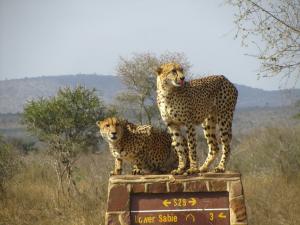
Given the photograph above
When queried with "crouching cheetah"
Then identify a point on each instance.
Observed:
(209, 101)
(145, 147)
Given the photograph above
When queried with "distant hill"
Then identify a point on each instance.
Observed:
(14, 93)
(255, 97)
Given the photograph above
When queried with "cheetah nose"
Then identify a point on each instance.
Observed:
(182, 78)
(113, 135)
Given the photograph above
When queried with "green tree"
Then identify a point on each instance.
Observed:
(274, 27)
(138, 75)
(66, 122)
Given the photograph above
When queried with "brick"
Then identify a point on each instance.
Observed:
(196, 186)
(118, 198)
(138, 188)
(236, 189)
(217, 185)
(112, 219)
(238, 207)
(176, 187)
(157, 188)
(225, 175)
(124, 218)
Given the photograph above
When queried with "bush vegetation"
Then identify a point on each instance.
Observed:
(269, 159)
(9, 164)
(66, 123)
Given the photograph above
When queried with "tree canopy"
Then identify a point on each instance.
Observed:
(139, 76)
(71, 115)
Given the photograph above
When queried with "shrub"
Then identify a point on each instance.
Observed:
(273, 150)
(67, 123)
(9, 163)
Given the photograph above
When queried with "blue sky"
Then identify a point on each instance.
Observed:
(55, 37)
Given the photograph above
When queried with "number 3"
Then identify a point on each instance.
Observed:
(211, 216)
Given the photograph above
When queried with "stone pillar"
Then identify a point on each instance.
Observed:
(122, 188)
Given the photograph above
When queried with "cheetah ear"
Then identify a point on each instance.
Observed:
(99, 123)
(123, 121)
(159, 71)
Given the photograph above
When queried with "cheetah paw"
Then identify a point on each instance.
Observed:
(137, 172)
(219, 169)
(177, 172)
(203, 169)
(192, 170)
(117, 172)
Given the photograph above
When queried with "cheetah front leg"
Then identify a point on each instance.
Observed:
(179, 145)
(137, 170)
(118, 167)
(192, 153)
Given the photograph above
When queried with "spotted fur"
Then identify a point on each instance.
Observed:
(145, 147)
(209, 101)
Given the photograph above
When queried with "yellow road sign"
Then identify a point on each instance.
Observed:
(222, 215)
(193, 201)
(166, 203)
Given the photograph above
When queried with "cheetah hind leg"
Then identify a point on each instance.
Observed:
(209, 129)
(226, 137)
(219, 169)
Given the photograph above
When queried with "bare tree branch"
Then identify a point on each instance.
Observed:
(138, 74)
(274, 28)
(275, 17)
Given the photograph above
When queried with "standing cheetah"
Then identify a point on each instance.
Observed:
(147, 148)
(209, 101)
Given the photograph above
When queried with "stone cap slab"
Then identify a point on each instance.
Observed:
(172, 178)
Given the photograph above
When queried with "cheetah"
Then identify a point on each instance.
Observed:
(148, 149)
(209, 101)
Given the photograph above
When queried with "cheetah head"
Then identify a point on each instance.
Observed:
(170, 75)
(111, 129)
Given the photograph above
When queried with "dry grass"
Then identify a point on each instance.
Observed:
(273, 149)
(272, 200)
(33, 196)
(268, 158)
